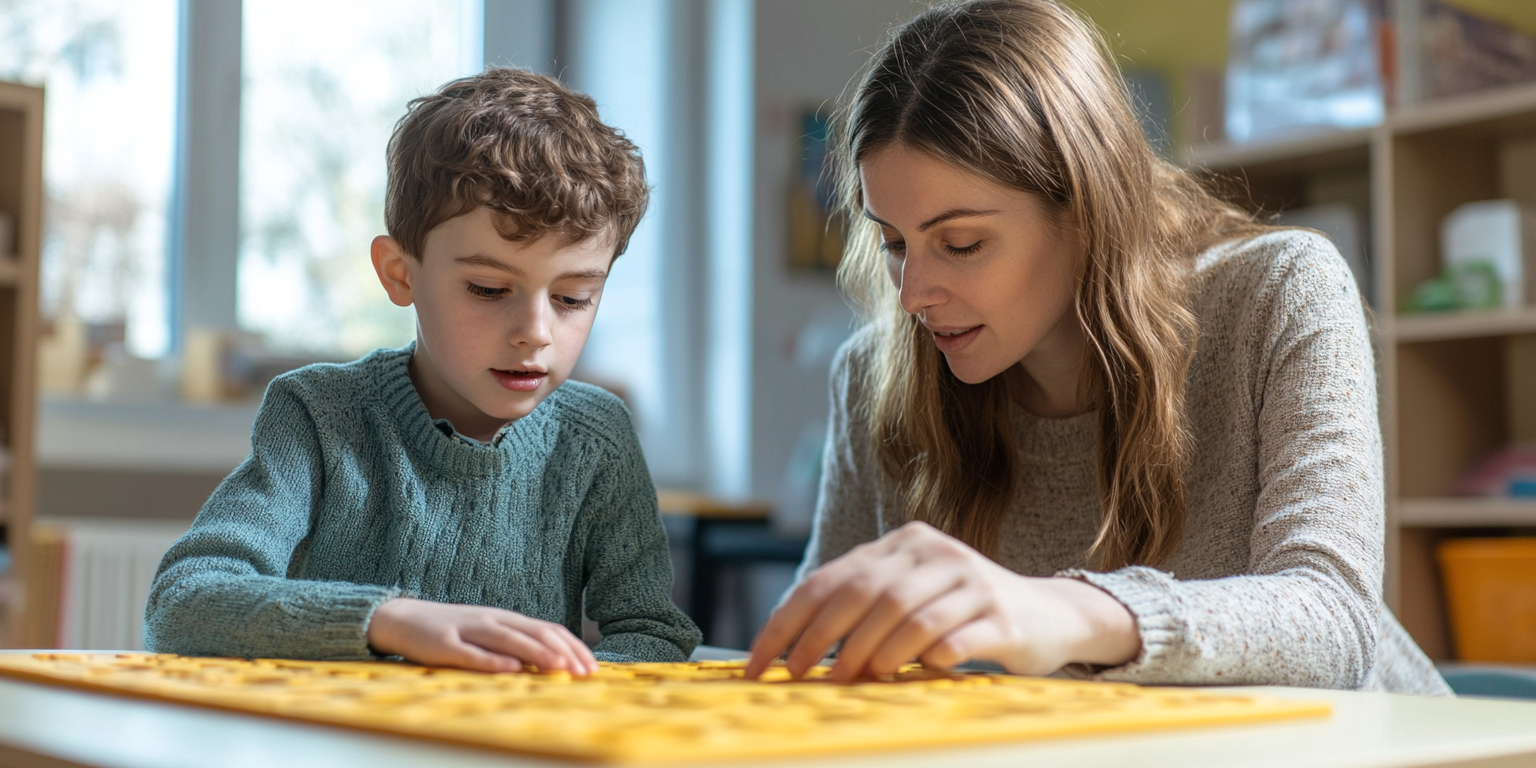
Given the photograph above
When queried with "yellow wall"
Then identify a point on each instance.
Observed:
(1167, 35)
(1520, 14)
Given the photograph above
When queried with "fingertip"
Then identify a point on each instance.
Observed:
(762, 655)
(797, 669)
(754, 668)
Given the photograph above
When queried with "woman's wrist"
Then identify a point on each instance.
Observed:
(1109, 635)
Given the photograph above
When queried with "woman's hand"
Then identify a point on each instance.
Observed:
(474, 637)
(918, 594)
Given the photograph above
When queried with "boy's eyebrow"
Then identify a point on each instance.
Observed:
(957, 213)
(488, 262)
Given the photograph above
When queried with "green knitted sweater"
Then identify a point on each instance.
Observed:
(353, 495)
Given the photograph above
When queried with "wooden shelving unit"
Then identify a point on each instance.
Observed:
(1454, 386)
(21, 196)
(1464, 325)
(1463, 512)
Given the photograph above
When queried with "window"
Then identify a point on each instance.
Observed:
(281, 189)
(110, 70)
(618, 57)
(319, 101)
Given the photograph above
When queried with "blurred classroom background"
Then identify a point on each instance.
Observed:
(192, 219)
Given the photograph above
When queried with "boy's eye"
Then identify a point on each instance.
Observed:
(571, 302)
(484, 292)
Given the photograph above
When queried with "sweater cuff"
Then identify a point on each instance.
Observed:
(636, 646)
(341, 620)
(1147, 594)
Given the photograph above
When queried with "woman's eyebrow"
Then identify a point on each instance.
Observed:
(955, 213)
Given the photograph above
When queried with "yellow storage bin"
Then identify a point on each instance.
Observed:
(1490, 595)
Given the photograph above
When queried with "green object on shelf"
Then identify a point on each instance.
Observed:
(1477, 284)
(1467, 285)
(1436, 294)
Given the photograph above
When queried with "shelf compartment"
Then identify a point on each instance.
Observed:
(1466, 512)
(1463, 325)
(1451, 410)
(1324, 150)
(1496, 114)
(1499, 112)
(1334, 172)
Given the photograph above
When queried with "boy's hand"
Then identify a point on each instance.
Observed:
(474, 637)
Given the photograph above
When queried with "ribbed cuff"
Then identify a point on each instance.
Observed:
(1147, 593)
(634, 646)
(341, 620)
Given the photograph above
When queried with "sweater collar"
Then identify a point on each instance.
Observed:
(436, 438)
(1044, 440)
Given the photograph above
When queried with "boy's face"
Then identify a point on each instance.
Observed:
(499, 325)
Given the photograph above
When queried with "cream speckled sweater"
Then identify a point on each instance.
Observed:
(1278, 578)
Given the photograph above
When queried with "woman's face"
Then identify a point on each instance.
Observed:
(983, 266)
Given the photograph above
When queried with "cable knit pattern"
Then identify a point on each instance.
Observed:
(1278, 577)
(353, 495)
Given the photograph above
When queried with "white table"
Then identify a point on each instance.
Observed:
(47, 727)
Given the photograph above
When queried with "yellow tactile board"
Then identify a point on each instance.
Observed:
(634, 713)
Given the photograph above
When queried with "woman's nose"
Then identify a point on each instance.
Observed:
(916, 283)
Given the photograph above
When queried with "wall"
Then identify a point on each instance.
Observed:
(1520, 14)
(807, 51)
(1169, 35)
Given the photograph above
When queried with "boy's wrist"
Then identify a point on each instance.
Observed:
(381, 625)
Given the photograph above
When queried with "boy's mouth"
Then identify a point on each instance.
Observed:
(519, 380)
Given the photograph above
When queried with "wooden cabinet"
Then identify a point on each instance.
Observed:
(21, 198)
(1454, 386)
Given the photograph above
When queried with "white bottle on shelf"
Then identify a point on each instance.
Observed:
(1497, 232)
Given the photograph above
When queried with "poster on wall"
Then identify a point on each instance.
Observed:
(1304, 65)
(816, 230)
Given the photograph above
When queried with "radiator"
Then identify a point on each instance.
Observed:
(106, 569)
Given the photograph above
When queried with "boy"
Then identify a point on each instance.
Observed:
(455, 501)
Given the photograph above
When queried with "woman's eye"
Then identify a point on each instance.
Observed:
(963, 250)
(484, 292)
(571, 302)
(894, 247)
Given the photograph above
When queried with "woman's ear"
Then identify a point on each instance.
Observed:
(395, 270)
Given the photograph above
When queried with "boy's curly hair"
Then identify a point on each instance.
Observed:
(522, 145)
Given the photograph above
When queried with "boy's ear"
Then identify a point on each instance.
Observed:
(394, 270)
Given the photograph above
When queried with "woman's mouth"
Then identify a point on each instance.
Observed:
(519, 381)
(950, 342)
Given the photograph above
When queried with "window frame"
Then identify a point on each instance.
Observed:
(706, 440)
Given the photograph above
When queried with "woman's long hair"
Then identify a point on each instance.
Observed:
(1023, 93)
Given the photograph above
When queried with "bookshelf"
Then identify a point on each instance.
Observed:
(21, 196)
(1454, 386)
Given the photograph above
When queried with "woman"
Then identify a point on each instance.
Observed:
(1096, 419)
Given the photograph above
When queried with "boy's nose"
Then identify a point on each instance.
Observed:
(532, 328)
